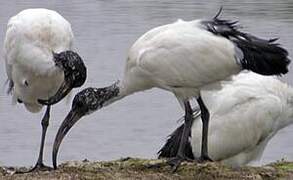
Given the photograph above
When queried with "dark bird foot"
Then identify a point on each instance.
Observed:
(175, 162)
(38, 167)
(204, 159)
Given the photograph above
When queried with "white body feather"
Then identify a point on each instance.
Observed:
(180, 57)
(31, 37)
(244, 114)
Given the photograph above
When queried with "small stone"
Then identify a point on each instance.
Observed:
(270, 168)
(85, 160)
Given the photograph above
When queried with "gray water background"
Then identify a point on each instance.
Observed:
(136, 126)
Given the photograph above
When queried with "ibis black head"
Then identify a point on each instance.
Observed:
(75, 74)
(85, 102)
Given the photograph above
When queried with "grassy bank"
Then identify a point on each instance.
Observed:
(132, 168)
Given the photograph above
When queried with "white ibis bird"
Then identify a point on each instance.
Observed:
(245, 114)
(40, 65)
(182, 57)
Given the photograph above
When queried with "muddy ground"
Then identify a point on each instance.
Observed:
(133, 168)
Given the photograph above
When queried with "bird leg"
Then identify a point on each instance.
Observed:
(39, 165)
(205, 116)
(176, 161)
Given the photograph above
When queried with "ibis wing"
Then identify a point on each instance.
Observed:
(183, 54)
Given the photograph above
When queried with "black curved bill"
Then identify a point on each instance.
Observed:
(66, 125)
(64, 89)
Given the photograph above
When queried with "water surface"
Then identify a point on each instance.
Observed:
(137, 125)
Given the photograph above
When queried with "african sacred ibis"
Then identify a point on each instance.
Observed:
(40, 64)
(246, 113)
(182, 57)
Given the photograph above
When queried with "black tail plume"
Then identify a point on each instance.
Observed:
(263, 56)
(218, 13)
(258, 55)
(171, 147)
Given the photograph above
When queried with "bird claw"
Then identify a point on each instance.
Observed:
(204, 159)
(36, 168)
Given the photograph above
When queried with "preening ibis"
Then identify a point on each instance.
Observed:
(182, 58)
(245, 114)
(40, 64)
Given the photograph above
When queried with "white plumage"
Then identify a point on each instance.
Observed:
(178, 57)
(40, 65)
(245, 113)
(31, 37)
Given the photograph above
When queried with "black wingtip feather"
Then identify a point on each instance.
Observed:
(170, 148)
(262, 56)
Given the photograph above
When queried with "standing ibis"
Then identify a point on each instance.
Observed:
(40, 64)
